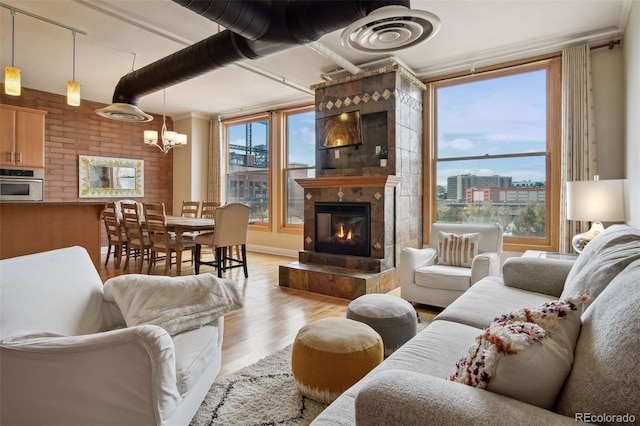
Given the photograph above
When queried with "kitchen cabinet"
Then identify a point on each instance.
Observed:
(21, 136)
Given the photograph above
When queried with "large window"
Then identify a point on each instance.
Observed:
(495, 148)
(299, 162)
(248, 159)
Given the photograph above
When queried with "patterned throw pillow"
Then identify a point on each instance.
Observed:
(525, 355)
(457, 250)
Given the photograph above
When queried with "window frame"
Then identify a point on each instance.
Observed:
(552, 64)
(260, 226)
(283, 169)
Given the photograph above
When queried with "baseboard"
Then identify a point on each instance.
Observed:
(273, 250)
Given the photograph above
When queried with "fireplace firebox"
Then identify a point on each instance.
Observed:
(343, 228)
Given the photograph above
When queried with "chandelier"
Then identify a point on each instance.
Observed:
(168, 139)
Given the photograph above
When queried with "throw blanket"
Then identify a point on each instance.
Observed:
(176, 304)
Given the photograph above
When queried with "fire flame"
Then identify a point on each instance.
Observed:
(341, 234)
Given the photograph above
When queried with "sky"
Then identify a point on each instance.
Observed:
(502, 115)
(491, 116)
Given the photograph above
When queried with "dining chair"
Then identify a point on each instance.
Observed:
(190, 209)
(159, 236)
(137, 240)
(208, 209)
(117, 238)
(232, 223)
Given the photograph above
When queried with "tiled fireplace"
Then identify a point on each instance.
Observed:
(359, 215)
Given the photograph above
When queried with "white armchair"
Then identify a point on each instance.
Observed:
(428, 276)
(67, 357)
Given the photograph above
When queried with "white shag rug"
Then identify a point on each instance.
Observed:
(262, 394)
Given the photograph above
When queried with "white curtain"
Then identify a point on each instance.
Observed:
(578, 155)
(215, 162)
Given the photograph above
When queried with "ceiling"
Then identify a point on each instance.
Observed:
(125, 35)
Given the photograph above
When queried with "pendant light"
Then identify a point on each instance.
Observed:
(168, 138)
(73, 87)
(12, 84)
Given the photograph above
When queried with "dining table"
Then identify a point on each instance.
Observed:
(180, 225)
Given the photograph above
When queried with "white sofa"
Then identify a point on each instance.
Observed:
(67, 357)
(424, 280)
(602, 385)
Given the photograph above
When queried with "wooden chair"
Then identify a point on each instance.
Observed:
(115, 234)
(208, 209)
(190, 209)
(137, 240)
(160, 238)
(232, 223)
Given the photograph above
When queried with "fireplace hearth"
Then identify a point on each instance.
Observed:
(343, 228)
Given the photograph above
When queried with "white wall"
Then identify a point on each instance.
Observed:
(631, 55)
(190, 162)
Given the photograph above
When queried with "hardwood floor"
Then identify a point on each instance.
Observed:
(271, 316)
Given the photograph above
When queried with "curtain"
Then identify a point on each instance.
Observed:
(578, 152)
(215, 162)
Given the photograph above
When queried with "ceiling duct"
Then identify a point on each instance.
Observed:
(254, 29)
(390, 28)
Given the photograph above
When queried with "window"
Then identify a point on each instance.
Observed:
(495, 152)
(248, 162)
(300, 160)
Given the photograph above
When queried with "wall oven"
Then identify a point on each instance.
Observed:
(21, 184)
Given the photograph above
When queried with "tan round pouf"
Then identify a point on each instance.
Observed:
(332, 354)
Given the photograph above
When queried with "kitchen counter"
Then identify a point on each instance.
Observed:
(32, 227)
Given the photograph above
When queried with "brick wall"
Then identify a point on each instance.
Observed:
(73, 131)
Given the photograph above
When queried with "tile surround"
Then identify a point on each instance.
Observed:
(390, 103)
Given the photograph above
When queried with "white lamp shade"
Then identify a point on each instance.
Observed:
(12, 84)
(150, 136)
(596, 200)
(73, 93)
(181, 139)
(169, 136)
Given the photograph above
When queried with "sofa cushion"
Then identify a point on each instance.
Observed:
(50, 283)
(457, 250)
(487, 299)
(605, 377)
(443, 277)
(526, 354)
(195, 350)
(602, 259)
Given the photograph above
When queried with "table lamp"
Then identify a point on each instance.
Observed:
(595, 201)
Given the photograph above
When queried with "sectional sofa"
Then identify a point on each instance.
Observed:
(576, 360)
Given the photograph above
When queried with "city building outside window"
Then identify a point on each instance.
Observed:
(248, 165)
(495, 152)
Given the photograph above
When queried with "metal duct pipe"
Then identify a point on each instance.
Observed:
(254, 29)
(323, 50)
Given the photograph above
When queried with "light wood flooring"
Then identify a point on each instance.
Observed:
(271, 316)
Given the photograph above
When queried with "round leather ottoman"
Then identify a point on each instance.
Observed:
(332, 354)
(393, 318)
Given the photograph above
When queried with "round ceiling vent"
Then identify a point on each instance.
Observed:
(389, 29)
(124, 112)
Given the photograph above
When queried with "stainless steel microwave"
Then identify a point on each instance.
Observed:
(21, 184)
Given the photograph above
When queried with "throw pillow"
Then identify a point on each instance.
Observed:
(525, 355)
(457, 250)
